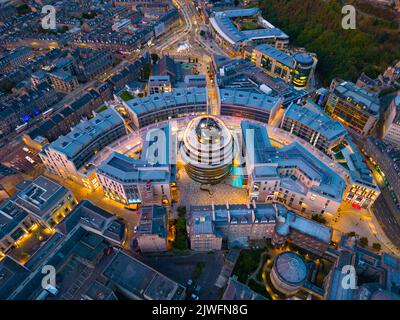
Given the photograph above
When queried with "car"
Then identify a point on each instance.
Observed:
(194, 297)
(190, 282)
(197, 289)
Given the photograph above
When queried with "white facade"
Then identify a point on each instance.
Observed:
(391, 129)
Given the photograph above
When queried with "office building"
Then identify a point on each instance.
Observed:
(355, 108)
(290, 175)
(202, 234)
(45, 200)
(252, 106)
(310, 123)
(96, 220)
(391, 127)
(297, 68)
(63, 81)
(148, 180)
(236, 290)
(227, 27)
(165, 106)
(377, 275)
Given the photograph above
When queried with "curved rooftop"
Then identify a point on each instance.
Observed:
(291, 268)
(303, 58)
(221, 22)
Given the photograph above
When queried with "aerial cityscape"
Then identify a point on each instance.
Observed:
(207, 150)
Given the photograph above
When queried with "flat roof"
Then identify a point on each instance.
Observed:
(259, 151)
(139, 279)
(349, 91)
(249, 99)
(40, 196)
(236, 290)
(276, 54)
(153, 220)
(12, 275)
(124, 168)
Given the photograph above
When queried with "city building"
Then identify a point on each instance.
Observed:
(202, 234)
(231, 33)
(152, 231)
(297, 68)
(207, 150)
(70, 155)
(15, 223)
(361, 189)
(377, 275)
(238, 224)
(45, 200)
(195, 80)
(241, 225)
(159, 84)
(391, 127)
(166, 106)
(310, 123)
(247, 105)
(354, 107)
(148, 180)
(96, 220)
(244, 76)
(79, 259)
(64, 82)
(13, 276)
(91, 63)
(236, 290)
(290, 175)
(140, 282)
(15, 58)
(303, 232)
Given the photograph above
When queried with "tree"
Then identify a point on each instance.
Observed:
(377, 246)
(363, 242)
(318, 218)
(23, 9)
(154, 58)
(236, 2)
(351, 234)
(202, 33)
(7, 86)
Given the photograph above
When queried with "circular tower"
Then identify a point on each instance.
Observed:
(207, 149)
(289, 272)
(304, 65)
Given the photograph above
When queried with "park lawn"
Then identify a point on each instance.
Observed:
(247, 263)
(126, 96)
(249, 25)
